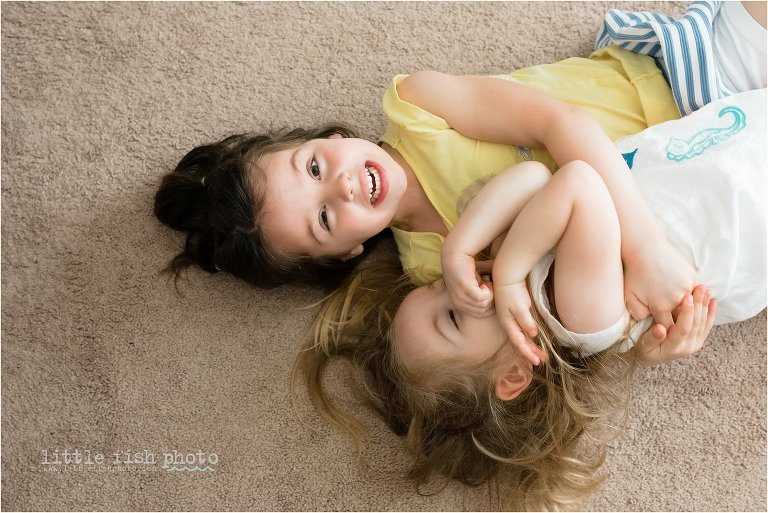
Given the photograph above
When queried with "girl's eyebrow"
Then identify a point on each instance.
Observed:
(294, 162)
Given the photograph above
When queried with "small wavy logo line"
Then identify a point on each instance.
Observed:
(189, 469)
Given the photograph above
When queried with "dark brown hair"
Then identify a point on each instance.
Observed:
(215, 195)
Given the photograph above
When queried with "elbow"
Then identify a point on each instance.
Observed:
(582, 120)
(576, 116)
(570, 120)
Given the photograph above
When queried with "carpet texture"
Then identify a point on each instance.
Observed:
(101, 354)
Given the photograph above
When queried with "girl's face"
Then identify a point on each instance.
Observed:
(427, 329)
(326, 197)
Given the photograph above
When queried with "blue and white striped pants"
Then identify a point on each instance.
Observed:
(681, 47)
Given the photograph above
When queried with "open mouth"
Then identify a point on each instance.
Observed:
(374, 183)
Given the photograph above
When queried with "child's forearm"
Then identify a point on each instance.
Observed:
(639, 226)
(496, 206)
(544, 221)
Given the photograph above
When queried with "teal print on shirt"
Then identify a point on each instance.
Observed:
(681, 149)
(629, 158)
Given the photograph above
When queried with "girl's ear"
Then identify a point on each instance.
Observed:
(512, 382)
(335, 136)
(357, 250)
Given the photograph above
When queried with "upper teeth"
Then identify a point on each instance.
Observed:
(373, 183)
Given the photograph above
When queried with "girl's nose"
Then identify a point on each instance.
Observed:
(344, 189)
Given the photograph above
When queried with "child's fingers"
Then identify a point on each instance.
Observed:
(701, 296)
(469, 291)
(708, 320)
(515, 297)
(699, 293)
(476, 291)
(531, 352)
(525, 321)
(649, 347)
(663, 317)
(539, 352)
(476, 301)
(711, 313)
(483, 293)
(515, 334)
(684, 322)
(658, 334)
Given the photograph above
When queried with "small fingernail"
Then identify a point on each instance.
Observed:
(688, 300)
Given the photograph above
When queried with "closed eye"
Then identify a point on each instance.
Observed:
(452, 315)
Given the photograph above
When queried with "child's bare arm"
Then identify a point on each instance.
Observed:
(574, 214)
(486, 108)
(487, 216)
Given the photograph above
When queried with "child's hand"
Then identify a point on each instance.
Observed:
(513, 306)
(695, 317)
(465, 286)
(656, 277)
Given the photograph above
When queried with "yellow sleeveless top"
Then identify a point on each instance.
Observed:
(624, 91)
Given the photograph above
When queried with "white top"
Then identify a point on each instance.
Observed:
(704, 176)
(739, 44)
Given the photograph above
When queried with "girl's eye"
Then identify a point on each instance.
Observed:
(452, 315)
(314, 169)
(324, 218)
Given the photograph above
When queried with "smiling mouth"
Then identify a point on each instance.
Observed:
(374, 183)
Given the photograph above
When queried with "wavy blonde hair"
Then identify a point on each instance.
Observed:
(541, 451)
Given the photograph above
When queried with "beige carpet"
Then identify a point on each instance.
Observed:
(99, 352)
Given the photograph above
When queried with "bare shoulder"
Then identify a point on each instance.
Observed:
(421, 81)
(427, 89)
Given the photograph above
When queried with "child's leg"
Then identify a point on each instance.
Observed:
(589, 281)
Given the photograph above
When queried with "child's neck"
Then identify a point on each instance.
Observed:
(415, 213)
